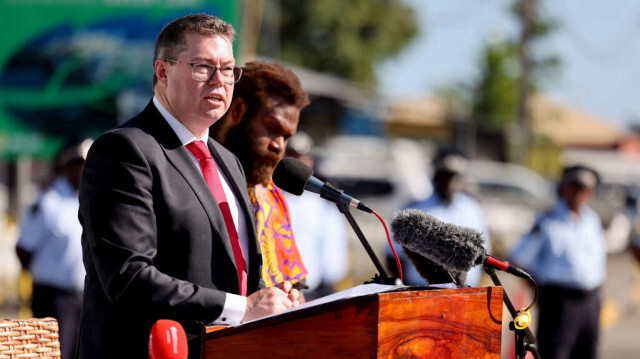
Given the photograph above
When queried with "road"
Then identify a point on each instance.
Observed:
(621, 308)
(620, 317)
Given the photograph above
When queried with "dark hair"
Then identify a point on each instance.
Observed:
(580, 174)
(261, 80)
(74, 149)
(450, 160)
(171, 40)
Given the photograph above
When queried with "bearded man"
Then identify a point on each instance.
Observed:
(263, 115)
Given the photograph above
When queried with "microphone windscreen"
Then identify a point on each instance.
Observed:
(168, 340)
(291, 175)
(454, 248)
(429, 270)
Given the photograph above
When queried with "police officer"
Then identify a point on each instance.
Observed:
(565, 252)
(449, 203)
(49, 246)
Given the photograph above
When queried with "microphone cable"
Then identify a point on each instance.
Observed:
(395, 254)
(523, 317)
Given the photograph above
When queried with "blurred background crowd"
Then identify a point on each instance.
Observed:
(379, 112)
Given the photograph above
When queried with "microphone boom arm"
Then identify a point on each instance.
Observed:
(524, 343)
(383, 277)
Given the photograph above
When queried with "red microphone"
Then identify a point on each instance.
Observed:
(495, 263)
(168, 340)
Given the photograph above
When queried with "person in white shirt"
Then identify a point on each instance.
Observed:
(320, 229)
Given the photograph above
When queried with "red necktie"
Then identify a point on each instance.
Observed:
(210, 172)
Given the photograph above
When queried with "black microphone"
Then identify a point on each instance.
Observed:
(453, 247)
(294, 176)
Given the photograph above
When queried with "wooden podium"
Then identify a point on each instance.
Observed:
(409, 323)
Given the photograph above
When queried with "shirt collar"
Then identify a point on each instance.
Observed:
(436, 198)
(562, 210)
(184, 135)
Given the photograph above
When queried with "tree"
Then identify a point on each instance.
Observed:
(345, 38)
(511, 71)
(495, 96)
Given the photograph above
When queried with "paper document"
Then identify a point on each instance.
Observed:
(357, 291)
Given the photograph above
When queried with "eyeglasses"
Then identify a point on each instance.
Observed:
(205, 72)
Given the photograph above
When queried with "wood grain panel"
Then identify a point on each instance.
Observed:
(442, 323)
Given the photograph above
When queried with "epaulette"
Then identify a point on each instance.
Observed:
(537, 225)
(35, 208)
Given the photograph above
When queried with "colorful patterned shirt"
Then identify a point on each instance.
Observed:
(281, 260)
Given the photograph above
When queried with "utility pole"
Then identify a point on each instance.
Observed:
(270, 30)
(252, 16)
(528, 13)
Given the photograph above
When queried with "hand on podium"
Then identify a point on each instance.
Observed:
(271, 300)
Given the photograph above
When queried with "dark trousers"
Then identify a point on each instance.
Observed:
(66, 307)
(568, 323)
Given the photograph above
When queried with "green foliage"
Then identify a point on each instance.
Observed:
(345, 38)
(496, 95)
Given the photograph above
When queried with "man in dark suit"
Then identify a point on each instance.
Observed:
(156, 243)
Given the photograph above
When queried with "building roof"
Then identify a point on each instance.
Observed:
(569, 126)
(564, 124)
(418, 111)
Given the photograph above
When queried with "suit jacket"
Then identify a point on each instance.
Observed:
(154, 241)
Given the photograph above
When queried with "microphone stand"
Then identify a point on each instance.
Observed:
(524, 339)
(382, 277)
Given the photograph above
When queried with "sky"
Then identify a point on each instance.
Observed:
(598, 43)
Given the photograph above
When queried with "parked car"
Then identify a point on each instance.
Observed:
(617, 206)
(510, 195)
(383, 173)
(387, 174)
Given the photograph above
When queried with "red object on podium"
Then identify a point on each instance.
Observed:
(408, 323)
(168, 340)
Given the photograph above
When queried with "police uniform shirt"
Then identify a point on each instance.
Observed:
(51, 232)
(564, 250)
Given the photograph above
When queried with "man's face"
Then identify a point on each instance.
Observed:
(197, 104)
(576, 195)
(260, 141)
(447, 184)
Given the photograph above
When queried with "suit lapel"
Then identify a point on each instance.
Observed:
(184, 164)
(179, 157)
(234, 180)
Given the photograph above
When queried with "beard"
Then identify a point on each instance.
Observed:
(258, 163)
